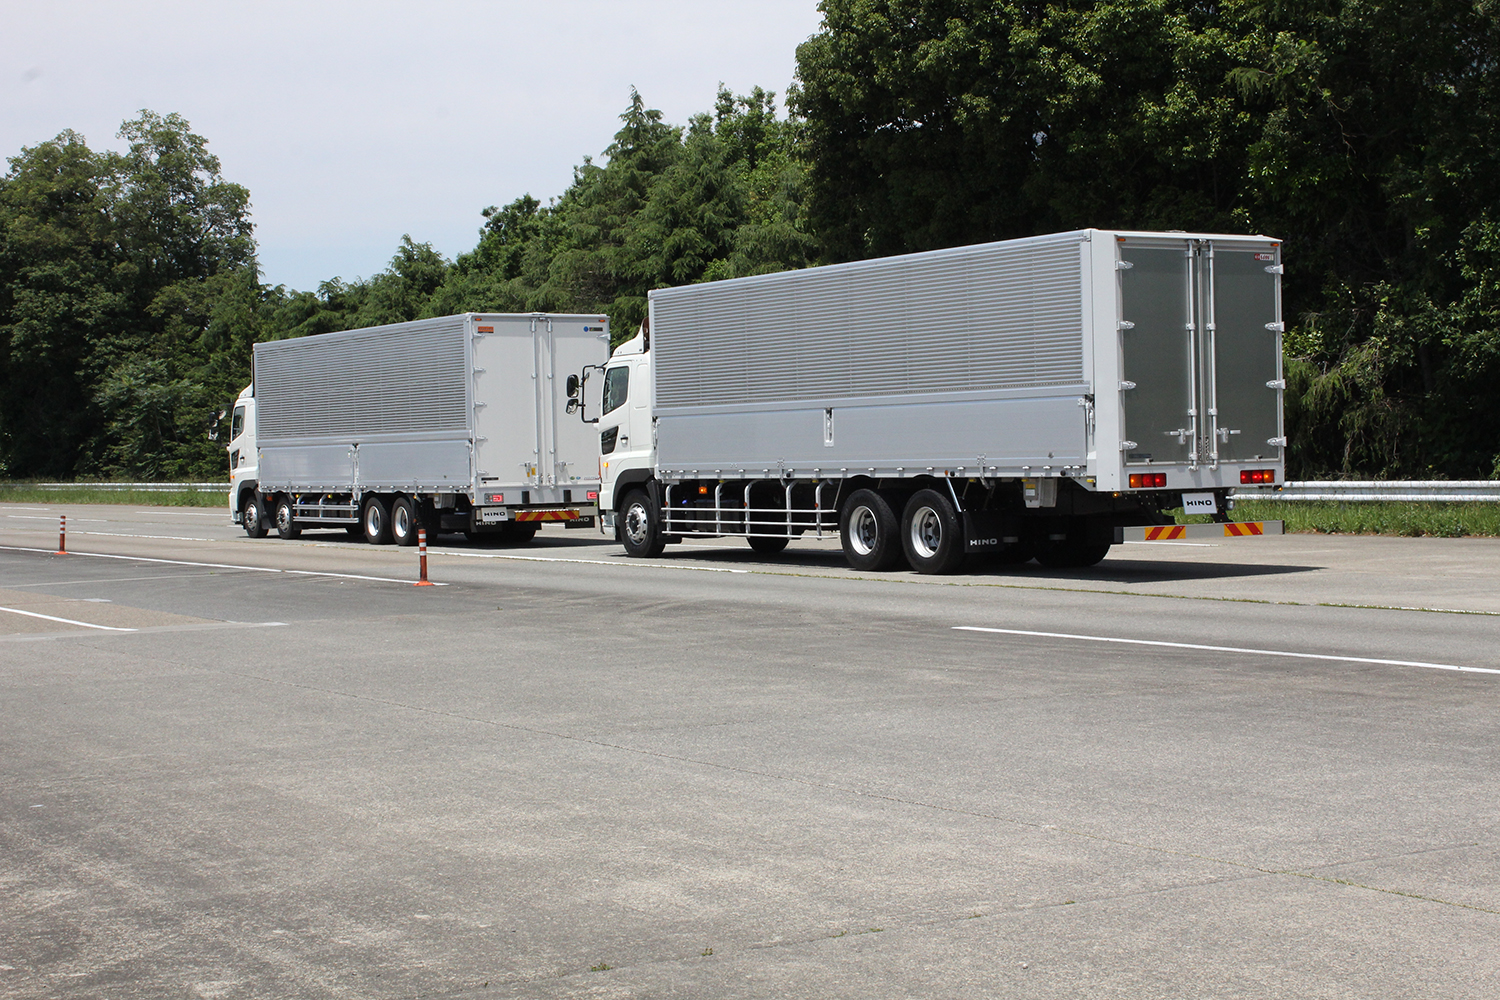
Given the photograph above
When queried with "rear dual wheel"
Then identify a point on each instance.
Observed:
(932, 533)
(868, 532)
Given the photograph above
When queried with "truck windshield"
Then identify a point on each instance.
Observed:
(616, 387)
(237, 424)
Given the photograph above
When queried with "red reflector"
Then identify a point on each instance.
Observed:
(1255, 477)
(593, 495)
(497, 498)
(1148, 480)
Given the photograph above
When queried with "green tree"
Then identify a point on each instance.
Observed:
(1362, 132)
(111, 268)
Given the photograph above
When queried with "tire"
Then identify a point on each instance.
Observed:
(767, 546)
(252, 516)
(867, 531)
(640, 532)
(406, 518)
(519, 532)
(285, 526)
(375, 518)
(1071, 554)
(932, 533)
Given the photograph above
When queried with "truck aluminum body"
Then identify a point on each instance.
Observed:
(452, 423)
(1053, 391)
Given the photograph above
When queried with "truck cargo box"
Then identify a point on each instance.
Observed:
(470, 404)
(1082, 355)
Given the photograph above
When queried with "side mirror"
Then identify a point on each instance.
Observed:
(572, 392)
(573, 404)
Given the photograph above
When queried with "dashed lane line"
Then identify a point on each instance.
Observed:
(1231, 649)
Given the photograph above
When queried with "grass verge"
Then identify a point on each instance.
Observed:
(31, 493)
(1409, 519)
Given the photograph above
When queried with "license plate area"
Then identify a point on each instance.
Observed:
(1199, 503)
(493, 515)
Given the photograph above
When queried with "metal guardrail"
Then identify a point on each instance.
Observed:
(1436, 491)
(143, 487)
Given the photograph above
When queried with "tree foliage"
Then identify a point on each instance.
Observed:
(1362, 132)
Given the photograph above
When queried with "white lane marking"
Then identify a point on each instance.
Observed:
(27, 508)
(631, 564)
(1232, 649)
(184, 562)
(128, 534)
(586, 562)
(76, 520)
(1192, 545)
(223, 515)
(66, 621)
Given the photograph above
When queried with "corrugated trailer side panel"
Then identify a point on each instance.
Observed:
(970, 357)
(401, 393)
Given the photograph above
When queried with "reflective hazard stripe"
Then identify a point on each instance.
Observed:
(546, 515)
(1232, 529)
(1166, 533)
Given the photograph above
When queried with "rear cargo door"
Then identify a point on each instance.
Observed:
(507, 411)
(1244, 338)
(1201, 352)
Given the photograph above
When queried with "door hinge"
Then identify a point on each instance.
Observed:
(1275, 269)
(1126, 445)
(1276, 327)
(1276, 383)
(1126, 385)
(1276, 442)
(1123, 265)
(1125, 324)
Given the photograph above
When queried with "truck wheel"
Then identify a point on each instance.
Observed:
(285, 526)
(932, 533)
(1071, 554)
(767, 546)
(252, 516)
(404, 521)
(867, 531)
(376, 518)
(639, 532)
(519, 532)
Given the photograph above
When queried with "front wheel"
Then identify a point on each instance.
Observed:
(405, 520)
(286, 527)
(867, 531)
(376, 519)
(932, 533)
(767, 545)
(1070, 554)
(640, 532)
(253, 518)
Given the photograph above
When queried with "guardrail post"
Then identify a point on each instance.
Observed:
(422, 580)
(62, 535)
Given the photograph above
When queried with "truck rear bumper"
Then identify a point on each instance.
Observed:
(1186, 532)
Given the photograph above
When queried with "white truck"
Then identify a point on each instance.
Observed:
(1043, 397)
(456, 423)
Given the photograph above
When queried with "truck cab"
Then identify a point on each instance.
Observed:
(243, 461)
(626, 435)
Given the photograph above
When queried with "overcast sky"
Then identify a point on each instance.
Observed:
(354, 122)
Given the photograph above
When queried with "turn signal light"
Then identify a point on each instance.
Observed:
(1148, 480)
(1254, 477)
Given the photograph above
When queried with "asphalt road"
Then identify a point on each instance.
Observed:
(236, 768)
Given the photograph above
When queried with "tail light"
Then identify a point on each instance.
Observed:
(593, 494)
(1256, 477)
(1148, 480)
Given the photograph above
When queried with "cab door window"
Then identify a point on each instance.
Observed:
(616, 387)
